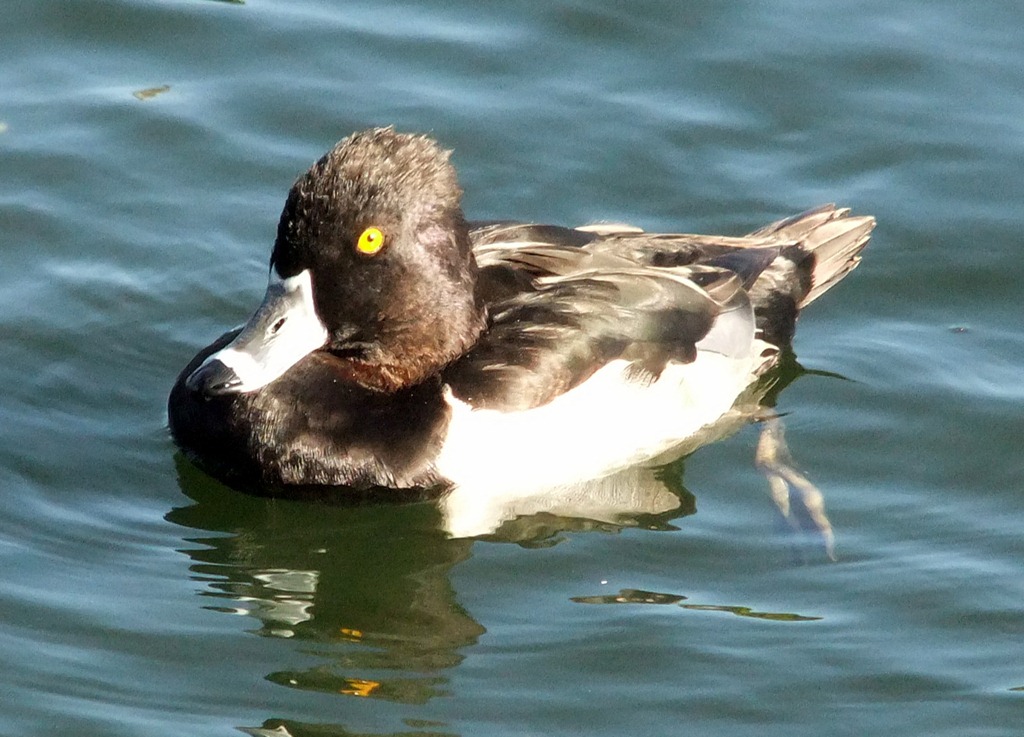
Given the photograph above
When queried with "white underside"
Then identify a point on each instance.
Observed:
(504, 464)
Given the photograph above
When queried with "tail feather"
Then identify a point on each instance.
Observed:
(818, 248)
(797, 227)
(836, 247)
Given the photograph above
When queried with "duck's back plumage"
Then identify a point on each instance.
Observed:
(565, 301)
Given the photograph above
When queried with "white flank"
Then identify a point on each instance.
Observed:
(499, 460)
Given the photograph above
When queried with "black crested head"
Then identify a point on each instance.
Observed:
(377, 222)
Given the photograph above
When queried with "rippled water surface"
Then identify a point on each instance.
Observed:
(145, 150)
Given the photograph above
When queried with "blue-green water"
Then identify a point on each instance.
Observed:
(145, 150)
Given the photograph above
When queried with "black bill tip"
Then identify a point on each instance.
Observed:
(214, 379)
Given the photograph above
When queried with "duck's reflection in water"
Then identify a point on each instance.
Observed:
(367, 589)
(369, 584)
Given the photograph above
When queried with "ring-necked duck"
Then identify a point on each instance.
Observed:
(401, 347)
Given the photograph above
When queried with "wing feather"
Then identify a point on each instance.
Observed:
(565, 301)
(558, 313)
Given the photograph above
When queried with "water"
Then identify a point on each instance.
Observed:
(145, 150)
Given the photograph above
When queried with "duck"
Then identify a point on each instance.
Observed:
(403, 352)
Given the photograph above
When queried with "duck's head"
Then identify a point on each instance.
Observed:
(372, 263)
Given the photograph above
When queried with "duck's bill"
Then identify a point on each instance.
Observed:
(283, 330)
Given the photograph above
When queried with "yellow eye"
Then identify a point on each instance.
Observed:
(371, 241)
